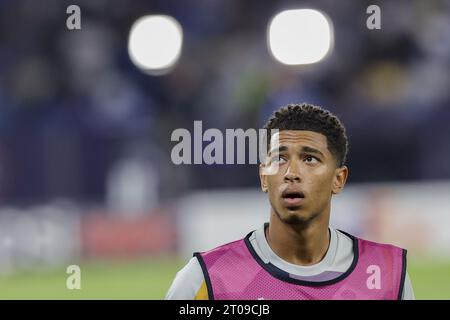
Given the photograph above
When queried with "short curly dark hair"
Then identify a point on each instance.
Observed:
(313, 118)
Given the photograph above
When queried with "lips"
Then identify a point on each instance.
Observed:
(292, 197)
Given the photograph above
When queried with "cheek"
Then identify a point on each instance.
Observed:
(274, 184)
(321, 171)
(321, 181)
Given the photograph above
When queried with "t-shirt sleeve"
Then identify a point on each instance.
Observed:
(408, 293)
(189, 283)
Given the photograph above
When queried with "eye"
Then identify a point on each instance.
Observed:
(311, 159)
(278, 159)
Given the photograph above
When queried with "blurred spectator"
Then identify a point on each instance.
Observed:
(71, 103)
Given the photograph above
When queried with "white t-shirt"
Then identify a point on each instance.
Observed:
(189, 283)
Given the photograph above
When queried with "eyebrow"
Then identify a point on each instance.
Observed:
(312, 150)
(279, 149)
(304, 149)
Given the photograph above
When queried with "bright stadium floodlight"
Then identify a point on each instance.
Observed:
(301, 36)
(154, 43)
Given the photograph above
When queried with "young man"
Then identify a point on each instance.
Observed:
(297, 255)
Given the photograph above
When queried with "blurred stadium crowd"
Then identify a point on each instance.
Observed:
(85, 136)
(78, 120)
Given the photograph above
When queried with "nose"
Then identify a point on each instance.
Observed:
(292, 174)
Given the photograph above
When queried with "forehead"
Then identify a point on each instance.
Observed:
(298, 138)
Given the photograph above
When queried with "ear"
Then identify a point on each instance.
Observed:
(339, 180)
(263, 178)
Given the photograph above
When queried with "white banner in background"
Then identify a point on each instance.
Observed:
(412, 216)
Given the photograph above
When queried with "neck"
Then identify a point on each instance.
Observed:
(299, 244)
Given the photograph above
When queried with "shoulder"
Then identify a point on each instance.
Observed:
(377, 248)
(187, 283)
(226, 246)
(370, 251)
(221, 248)
(408, 292)
(364, 243)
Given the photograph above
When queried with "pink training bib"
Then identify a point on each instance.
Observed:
(235, 272)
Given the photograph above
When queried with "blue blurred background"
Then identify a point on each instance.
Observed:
(85, 168)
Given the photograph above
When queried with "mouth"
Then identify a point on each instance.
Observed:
(292, 198)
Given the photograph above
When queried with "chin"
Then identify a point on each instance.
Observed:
(295, 217)
(294, 220)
